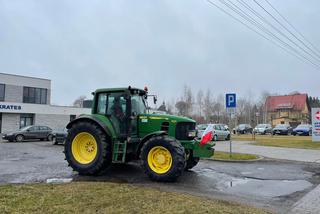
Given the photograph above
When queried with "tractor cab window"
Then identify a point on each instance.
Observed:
(117, 109)
(102, 103)
(138, 105)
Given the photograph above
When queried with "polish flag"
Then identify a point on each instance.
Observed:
(207, 135)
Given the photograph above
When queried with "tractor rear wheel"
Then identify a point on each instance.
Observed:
(163, 159)
(191, 161)
(87, 148)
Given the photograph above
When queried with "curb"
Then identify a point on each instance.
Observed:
(236, 161)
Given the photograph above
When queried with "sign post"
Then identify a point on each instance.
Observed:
(231, 104)
(315, 124)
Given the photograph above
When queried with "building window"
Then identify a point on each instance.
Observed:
(2, 91)
(35, 95)
(26, 120)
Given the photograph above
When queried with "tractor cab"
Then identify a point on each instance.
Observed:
(122, 107)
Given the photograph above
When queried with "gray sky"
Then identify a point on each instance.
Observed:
(165, 44)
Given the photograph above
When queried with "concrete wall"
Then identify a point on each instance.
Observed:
(48, 96)
(12, 79)
(10, 122)
(54, 121)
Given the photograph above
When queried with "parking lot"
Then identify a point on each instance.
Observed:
(273, 184)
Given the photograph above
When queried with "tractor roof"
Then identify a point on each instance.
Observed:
(119, 89)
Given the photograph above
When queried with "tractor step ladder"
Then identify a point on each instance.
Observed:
(119, 152)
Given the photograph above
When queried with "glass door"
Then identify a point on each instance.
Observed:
(26, 120)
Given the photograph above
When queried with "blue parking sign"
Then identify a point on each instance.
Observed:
(231, 101)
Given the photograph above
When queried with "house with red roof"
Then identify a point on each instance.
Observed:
(291, 109)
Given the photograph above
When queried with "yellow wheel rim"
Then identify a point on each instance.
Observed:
(159, 159)
(84, 148)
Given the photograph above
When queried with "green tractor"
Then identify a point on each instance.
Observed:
(120, 130)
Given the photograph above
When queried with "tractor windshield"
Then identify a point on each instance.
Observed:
(138, 104)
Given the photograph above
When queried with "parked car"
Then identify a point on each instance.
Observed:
(302, 129)
(282, 129)
(28, 133)
(220, 132)
(243, 129)
(263, 129)
(59, 136)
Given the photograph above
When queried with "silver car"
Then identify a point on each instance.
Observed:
(263, 129)
(220, 131)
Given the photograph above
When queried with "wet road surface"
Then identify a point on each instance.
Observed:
(273, 184)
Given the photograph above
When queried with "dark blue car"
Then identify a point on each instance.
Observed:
(303, 129)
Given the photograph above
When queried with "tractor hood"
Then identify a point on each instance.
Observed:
(150, 123)
(167, 117)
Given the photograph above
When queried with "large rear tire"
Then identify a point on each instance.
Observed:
(163, 159)
(87, 148)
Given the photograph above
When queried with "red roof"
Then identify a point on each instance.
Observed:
(295, 102)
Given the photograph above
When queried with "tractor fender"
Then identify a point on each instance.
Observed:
(88, 118)
(147, 137)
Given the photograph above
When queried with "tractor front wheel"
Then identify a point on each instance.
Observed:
(87, 148)
(163, 159)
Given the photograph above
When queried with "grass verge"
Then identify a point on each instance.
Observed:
(299, 142)
(102, 197)
(234, 156)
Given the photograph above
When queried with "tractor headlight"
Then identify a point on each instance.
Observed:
(192, 133)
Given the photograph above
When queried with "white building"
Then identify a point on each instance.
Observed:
(26, 101)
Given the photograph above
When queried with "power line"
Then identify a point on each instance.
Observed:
(257, 32)
(274, 18)
(248, 7)
(249, 18)
(262, 28)
(291, 25)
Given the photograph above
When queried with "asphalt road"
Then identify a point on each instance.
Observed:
(272, 184)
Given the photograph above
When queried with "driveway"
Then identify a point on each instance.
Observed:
(272, 184)
(305, 155)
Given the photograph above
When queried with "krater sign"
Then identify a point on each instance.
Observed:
(315, 124)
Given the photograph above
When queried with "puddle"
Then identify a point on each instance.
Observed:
(265, 188)
(250, 186)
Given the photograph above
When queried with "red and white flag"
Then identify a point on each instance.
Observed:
(207, 135)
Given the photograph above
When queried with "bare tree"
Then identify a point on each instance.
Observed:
(182, 108)
(207, 105)
(200, 101)
(188, 99)
(263, 106)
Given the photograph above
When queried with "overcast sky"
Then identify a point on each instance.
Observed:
(165, 44)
